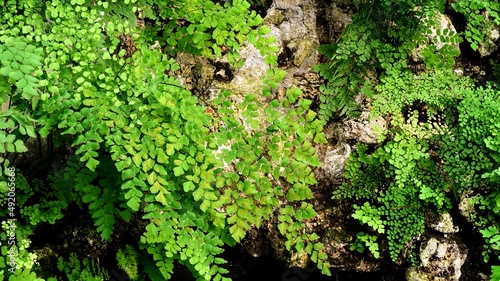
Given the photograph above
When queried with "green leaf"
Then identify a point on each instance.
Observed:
(22, 83)
(27, 69)
(20, 147)
(237, 233)
(5, 71)
(170, 149)
(133, 203)
(188, 186)
(178, 171)
(263, 30)
(275, 103)
(148, 165)
(17, 75)
(92, 164)
(162, 157)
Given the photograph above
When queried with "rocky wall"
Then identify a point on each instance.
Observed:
(300, 26)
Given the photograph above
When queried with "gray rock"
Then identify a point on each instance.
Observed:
(490, 44)
(441, 259)
(444, 23)
(363, 129)
(445, 224)
(428, 251)
(335, 159)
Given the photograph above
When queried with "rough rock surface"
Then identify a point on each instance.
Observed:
(490, 44)
(441, 260)
(362, 129)
(444, 224)
(335, 159)
(433, 38)
(467, 206)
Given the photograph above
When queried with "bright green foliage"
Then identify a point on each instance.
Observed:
(380, 37)
(366, 240)
(495, 273)
(366, 214)
(128, 261)
(492, 236)
(397, 181)
(437, 91)
(200, 27)
(269, 157)
(143, 144)
(477, 26)
(77, 270)
(18, 81)
(471, 151)
(49, 211)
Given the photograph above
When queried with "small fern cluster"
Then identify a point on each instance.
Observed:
(128, 260)
(471, 154)
(477, 25)
(436, 90)
(379, 42)
(471, 151)
(86, 269)
(380, 39)
(366, 240)
(396, 182)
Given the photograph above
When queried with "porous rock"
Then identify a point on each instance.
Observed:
(444, 224)
(489, 45)
(434, 38)
(335, 159)
(441, 259)
(362, 129)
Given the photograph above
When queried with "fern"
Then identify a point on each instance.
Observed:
(77, 270)
(128, 261)
(437, 90)
(142, 143)
(102, 199)
(18, 61)
(366, 240)
(477, 26)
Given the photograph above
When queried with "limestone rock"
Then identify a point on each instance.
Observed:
(293, 28)
(433, 38)
(248, 79)
(285, 4)
(413, 275)
(490, 44)
(428, 251)
(335, 159)
(361, 129)
(441, 259)
(445, 224)
(467, 206)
